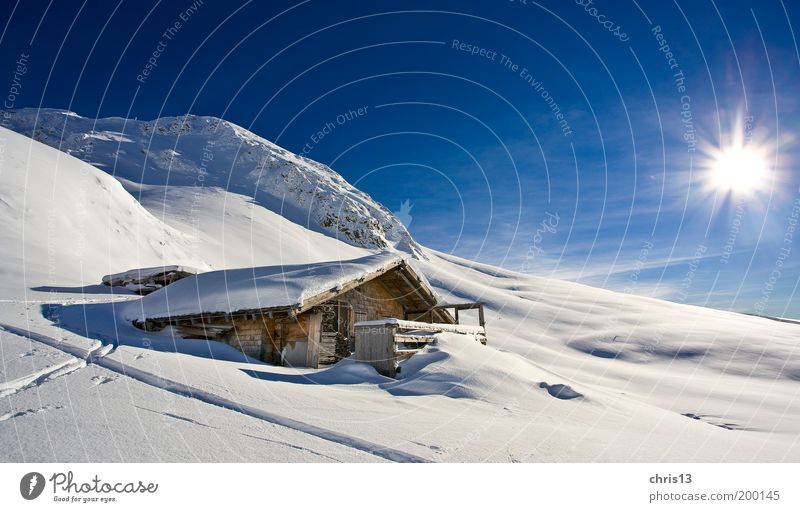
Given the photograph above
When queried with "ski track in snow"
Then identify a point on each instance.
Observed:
(11, 415)
(40, 377)
(97, 356)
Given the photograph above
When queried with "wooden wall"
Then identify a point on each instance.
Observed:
(265, 338)
(373, 299)
(252, 336)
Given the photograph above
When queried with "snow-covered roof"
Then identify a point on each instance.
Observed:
(259, 288)
(142, 274)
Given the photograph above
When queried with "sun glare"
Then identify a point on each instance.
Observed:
(739, 170)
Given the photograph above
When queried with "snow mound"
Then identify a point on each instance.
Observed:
(560, 391)
(346, 372)
(195, 151)
(457, 366)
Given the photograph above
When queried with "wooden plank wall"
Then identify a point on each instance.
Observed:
(375, 346)
(249, 335)
(373, 299)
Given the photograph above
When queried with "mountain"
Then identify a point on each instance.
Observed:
(204, 153)
(570, 372)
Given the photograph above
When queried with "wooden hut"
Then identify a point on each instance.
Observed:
(298, 315)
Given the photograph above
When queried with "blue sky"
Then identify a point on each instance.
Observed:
(551, 137)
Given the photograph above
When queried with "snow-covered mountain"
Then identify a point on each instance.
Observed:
(209, 153)
(571, 373)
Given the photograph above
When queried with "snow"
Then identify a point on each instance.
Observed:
(408, 324)
(232, 231)
(228, 291)
(108, 136)
(24, 360)
(73, 418)
(421, 327)
(571, 373)
(65, 224)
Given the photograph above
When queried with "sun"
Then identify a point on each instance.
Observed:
(739, 170)
(741, 165)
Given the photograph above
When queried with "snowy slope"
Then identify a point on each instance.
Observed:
(207, 152)
(727, 368)
(232, 231)
(571, 373)
(66, 223)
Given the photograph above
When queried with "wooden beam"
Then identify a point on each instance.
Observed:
(205, 332)
(425, 300)
(282, 310)
(462, 305)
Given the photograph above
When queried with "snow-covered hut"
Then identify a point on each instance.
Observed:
(299, 315)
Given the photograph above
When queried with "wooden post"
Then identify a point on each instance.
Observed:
(314, 339)
(283, 331)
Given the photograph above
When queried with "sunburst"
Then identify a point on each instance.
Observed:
(738, 167)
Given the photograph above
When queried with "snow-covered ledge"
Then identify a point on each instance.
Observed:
(424, 326)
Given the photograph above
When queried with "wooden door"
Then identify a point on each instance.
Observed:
(335, 337)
